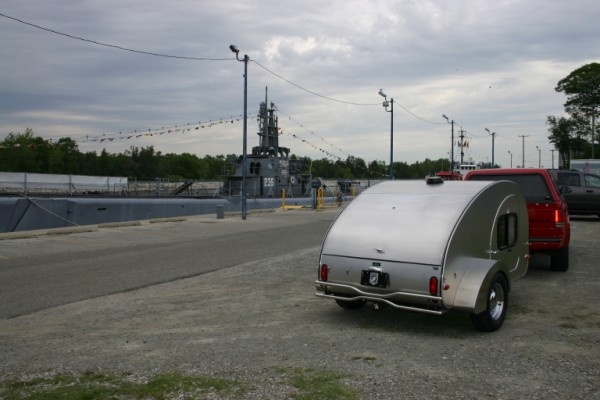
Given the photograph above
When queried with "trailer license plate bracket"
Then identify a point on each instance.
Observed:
(374, 278)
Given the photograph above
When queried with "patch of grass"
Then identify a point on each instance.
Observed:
(320, 385)
(365, 358)
(94, 386)
(518, 309)
(568, 325)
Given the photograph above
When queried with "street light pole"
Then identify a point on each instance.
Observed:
(493, 137)
(539, 156)
(552, 151)
(390, 104)
(509, 152)
(451, 147)
(245, 134)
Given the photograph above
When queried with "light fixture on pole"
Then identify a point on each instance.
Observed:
(509, 152)
(245, 135)
(493, 137)
(451, 147)
(390, 104)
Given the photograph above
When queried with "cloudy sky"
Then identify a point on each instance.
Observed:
(119, 74)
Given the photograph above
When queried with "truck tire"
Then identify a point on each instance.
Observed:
(559, 260)
(492, 317)
(351, 305)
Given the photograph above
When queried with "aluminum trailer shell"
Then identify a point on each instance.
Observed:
(412, 231)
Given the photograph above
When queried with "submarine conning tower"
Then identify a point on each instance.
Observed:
(268, 131)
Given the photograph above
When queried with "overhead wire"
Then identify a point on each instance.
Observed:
(310, 91)
(111, 45)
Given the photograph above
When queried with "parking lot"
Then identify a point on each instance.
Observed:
(254, 319)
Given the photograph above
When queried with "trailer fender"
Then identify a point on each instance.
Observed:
(471, 295)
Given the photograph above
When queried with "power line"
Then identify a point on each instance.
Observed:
(310, 91)
(338, 100)
(112, 45)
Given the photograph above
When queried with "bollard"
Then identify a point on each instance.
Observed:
(220, 211)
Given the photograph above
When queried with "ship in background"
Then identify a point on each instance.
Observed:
(46, 201)
(269, 169)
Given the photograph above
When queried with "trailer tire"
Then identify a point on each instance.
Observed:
(351, 305)
(492, 317)
(559, 260)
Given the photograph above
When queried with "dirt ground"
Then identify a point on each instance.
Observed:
(257, 320)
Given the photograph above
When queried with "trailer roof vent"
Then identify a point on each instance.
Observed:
(433, 180)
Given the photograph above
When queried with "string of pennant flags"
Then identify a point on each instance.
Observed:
(351, 159)
(135, 134)
(315, 135)
(327, 150)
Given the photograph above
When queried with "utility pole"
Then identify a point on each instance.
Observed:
(386, 103)
(593, 129)
(451, 122)
(493, 137)
(462, 144)
(523, 137)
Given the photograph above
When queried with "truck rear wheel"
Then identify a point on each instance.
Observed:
(559, 259)
(492, 317)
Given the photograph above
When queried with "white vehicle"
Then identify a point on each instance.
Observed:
(592, 166)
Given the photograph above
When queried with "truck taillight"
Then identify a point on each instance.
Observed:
(433, 285)
(559, 218)
(324, 271)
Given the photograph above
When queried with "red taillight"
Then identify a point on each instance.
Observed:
(433, 285)
(558, 216)
(323, 272)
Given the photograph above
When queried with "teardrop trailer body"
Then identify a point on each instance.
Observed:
(429, 248)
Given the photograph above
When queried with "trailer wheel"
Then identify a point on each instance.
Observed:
(351, 305)
(497, 304)
(559, 259)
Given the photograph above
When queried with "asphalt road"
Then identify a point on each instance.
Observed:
(51, 270)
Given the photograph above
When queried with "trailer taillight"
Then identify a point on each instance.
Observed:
(324, 271)
(433, 285)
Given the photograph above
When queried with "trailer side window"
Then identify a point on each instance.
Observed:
(507, 231)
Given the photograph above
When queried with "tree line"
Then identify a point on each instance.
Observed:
(574, 135)
(25, 152)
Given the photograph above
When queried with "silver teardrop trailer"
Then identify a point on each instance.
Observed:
(428, 246)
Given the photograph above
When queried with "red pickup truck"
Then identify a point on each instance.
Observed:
(549, 223)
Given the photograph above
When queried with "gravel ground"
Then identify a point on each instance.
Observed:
(259, 321)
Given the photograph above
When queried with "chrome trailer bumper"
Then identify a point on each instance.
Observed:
(326, 290)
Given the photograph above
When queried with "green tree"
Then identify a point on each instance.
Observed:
(63, 157)
(182, 166)
(582, 88)
(24, 152)
(376, 170)
(568, 136)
